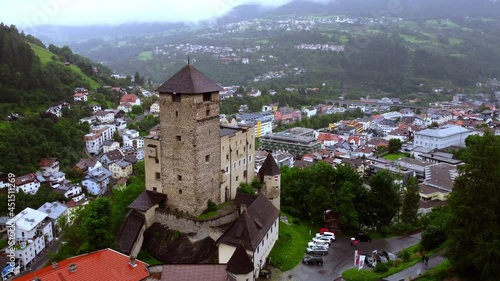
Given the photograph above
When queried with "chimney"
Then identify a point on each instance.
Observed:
(132, 261)
(243, 208)
(55, 265)
(72, 267)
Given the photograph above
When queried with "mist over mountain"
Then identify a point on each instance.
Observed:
(413, 9)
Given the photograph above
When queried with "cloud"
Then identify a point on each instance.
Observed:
(28, 13)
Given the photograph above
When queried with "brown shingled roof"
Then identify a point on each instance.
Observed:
(189, 80)
(240, 262)
(269, 167)
(146, 200)
(130, 230)
(252, 225)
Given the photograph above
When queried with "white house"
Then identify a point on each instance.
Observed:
(310, 111)
(54, 211)
(130, 98)
(96, 108)
(79, 97)
(94, 141)
(73, 190)
(125, 107)
(254, 93)
(441, 137)
(261, 233)
(155, 108)
(27, 183)
(32, 233)
(105, 116)
(49, 166)
(110, 145)
(96, 181)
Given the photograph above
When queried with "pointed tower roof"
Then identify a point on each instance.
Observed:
(189, 80)
(269, 167)
(240, 262)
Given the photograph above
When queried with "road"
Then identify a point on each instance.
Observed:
(341, 258)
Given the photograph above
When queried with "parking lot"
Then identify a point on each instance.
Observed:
(341, 257)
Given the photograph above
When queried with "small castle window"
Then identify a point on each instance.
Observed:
(179, 177)
(208, 112)
(157, 176)
(176, 98)
(207, 97)
(155, 189)
(207, 158)
(176, 113)
(178, 138)
(180, 191)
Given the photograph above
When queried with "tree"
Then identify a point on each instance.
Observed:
(474, 228)
(410, 203)
(137, 78)
(137, 109)
(384, 198)
(394, 145)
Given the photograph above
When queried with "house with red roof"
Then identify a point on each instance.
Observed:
(79, 97)
(130, 98)
(106, 264)
(329, 139)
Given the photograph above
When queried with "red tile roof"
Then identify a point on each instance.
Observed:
(189, 272)
(128, 98)
(105, 264)
(44, 162)
(328, 137)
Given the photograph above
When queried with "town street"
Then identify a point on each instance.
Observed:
(341, 258)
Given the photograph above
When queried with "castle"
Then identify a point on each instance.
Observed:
(193, 161)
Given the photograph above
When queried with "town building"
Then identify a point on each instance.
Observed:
(262, 121)
(155, 108)
(28, 183)
(54, 211)
(105, 116)
(298, 141)
(94, 140)
(32, 233)
(121, 169)
(130, 98)
(97, 180)
(441, 137)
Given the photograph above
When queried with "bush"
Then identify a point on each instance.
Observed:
(433, 236)
(292, 211)
(384, 231)
(381, 267)
(404, 255)
(211, 206)
(296, 221)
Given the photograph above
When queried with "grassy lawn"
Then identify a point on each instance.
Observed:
(436, 273)
(148, 55)
(46, 57)
(291, 246)
(395, 156)
(214, 213)
(354, 274)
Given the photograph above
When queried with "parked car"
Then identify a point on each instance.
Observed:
(312, 260)
(381, 258)
(317, 244)
(361, 236)
(389, 256)
(322, 240)
(327, 234)
(317, 251)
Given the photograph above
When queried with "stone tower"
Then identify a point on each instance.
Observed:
(270, 178)
(190, 142)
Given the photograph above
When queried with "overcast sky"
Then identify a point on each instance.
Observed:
(28, 13)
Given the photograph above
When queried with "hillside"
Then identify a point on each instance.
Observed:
(32, 79)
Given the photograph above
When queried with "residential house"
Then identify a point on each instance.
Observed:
(106, 264)
(361, 166)
(125, 107)
(387, 125)
(262, 121)
(89, 120)
(110, 145)
(32, 233)
(376, 142)
(254, 93)
(49, 166)
(133, 139)
(121, 169)
(98, 135)
(3, 224)
(54, 211)
(310, 111)
(27, 183)
(105, 116)
(400, 133)
(363, 151)
(155, 108)
(328, 139)
(96, 108)
(256, 229)
(80, 97)
(130, 98)
(416, 165)
(111, 157)
(85, 164)
(96, 181)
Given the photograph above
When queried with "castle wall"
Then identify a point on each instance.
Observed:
(185, 224)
